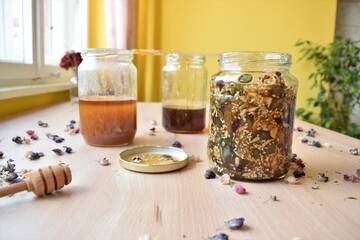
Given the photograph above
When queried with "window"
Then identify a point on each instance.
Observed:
(36, 35)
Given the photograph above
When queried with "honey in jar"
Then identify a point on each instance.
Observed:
(107, 122)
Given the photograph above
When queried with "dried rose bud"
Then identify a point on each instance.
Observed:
(104, 162)
(351, 178)
(30, 132)
(225, 179)
(34, 137)
(292, 180)
(239, 189)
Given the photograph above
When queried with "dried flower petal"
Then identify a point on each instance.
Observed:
(104, 162)
(152, 131)
(34, 137)
(209, 174)
(177, 144)
(30, 132)
(235, 223)
(26, 140)
(219, 236)
(298, 174)
(67, 149)
(136, 159)
(153, 122)
(311, 133)
(42, 124)
(71, 59)
(17, 140)
(292, 180)
(58, 151)
(239, 189)
(354, 151)
(358, 172)
(322, 177)
(299, 129)
(351, 178)
(225, 179)
(272, 197)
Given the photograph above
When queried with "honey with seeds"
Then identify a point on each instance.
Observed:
(252, 107)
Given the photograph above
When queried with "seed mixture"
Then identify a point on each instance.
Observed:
(251, 126)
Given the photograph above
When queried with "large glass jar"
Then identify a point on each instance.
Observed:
(184, 92)
(107, 97)
(252, 104)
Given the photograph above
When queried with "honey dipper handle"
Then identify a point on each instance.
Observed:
(13, 188)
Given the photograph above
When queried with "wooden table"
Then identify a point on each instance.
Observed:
(109, 202)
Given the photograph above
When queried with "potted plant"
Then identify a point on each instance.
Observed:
(337, 77)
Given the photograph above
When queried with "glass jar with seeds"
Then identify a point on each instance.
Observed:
(184, 82)
(252, 105)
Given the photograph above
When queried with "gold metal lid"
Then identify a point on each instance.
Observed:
(153, 159)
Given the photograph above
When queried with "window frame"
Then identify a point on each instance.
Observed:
(20, 74)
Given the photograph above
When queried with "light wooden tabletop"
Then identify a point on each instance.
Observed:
(109, 202)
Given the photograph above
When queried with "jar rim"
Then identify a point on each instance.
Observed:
(193, 57)
(106, 52)
(255, 56)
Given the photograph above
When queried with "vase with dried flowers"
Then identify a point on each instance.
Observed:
(71, 60)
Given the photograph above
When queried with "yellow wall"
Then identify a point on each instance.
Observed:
(96, 27)
(20, 104)
(214, 26)
(210, 26)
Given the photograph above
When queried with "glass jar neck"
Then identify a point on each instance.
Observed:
(176, 58)
(254, 61)
(108, 53)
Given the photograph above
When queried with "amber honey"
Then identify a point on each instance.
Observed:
(183, 119)
(105, 122)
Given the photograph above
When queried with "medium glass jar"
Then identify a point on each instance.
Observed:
(107, 97)
(252, 105)
(184, 82)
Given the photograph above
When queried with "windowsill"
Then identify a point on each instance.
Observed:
(29, 90)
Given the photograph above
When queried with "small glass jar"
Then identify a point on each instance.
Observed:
(252, 105)
(184, 93)
(107, 97)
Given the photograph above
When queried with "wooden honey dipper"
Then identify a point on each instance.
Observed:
(45, 180)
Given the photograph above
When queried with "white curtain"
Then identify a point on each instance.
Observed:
(120, 23)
